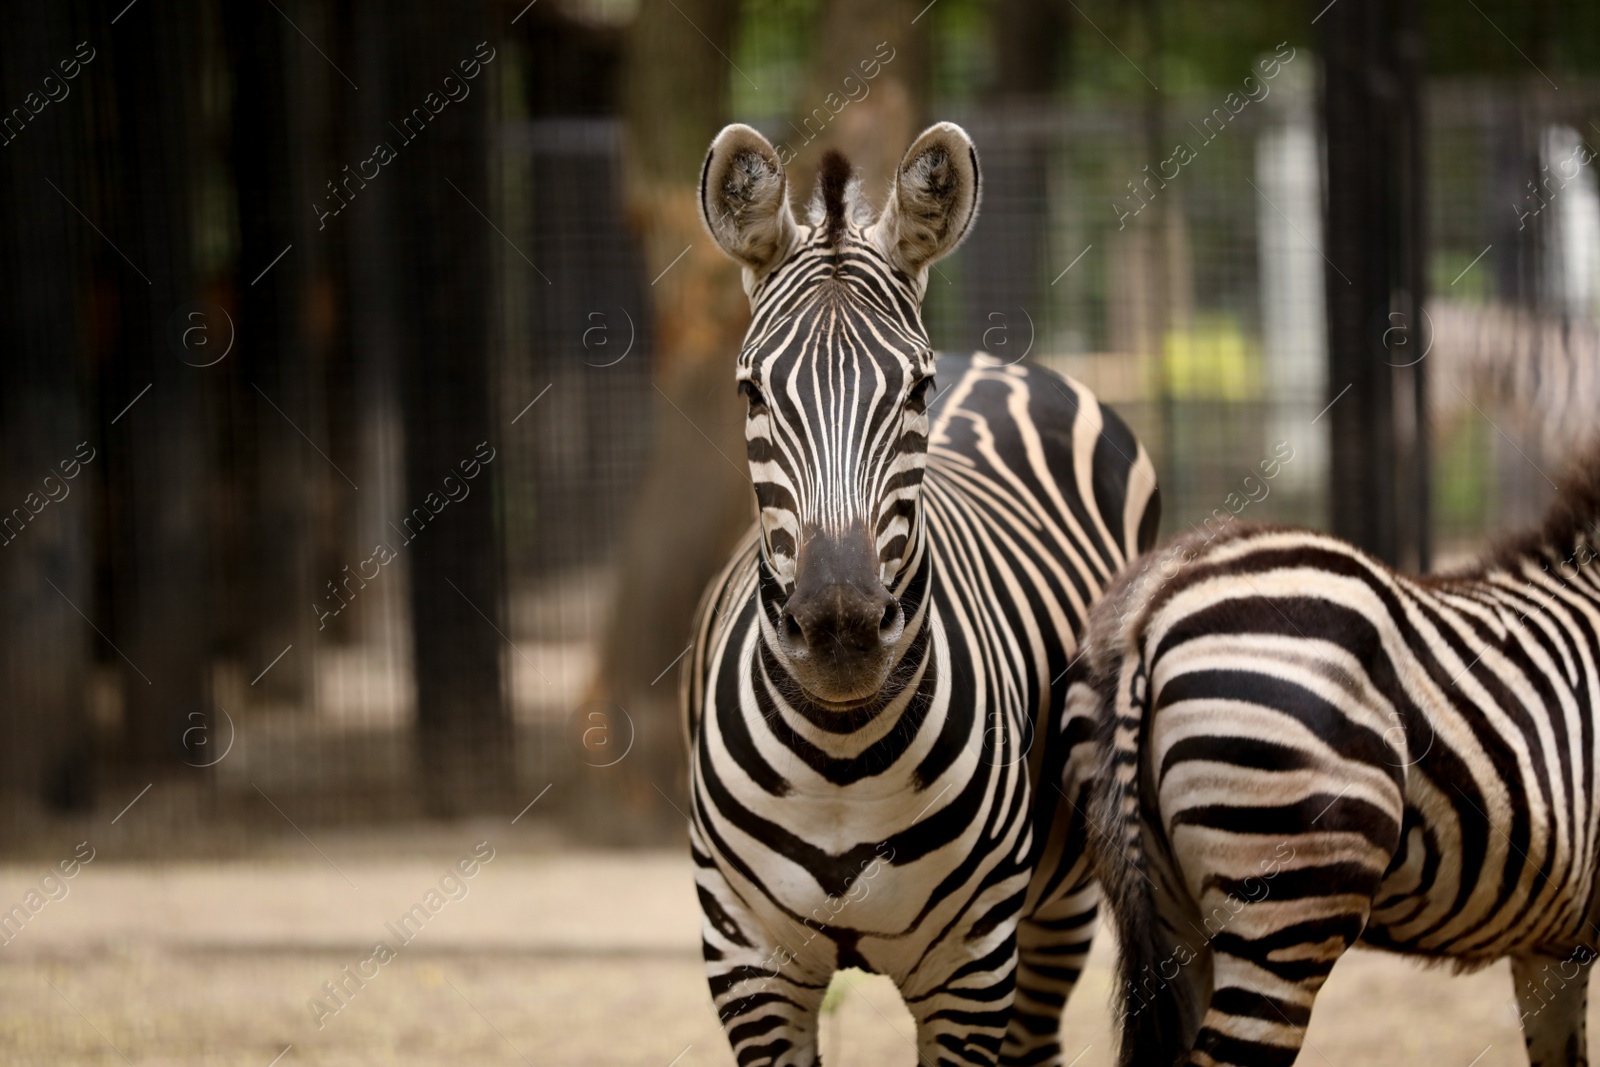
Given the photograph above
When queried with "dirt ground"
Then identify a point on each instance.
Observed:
(543, 956)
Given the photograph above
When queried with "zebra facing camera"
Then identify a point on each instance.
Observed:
(200, 334)
(602, 733)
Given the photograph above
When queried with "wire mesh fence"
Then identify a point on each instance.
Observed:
(410, 407)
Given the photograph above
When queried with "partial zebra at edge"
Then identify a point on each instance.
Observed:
(1303, 749)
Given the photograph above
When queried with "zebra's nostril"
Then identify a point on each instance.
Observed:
(891, 616)
(792, 629)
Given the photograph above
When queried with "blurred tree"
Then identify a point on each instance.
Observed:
(696, 500)
(1556, 37)
(158, 446)
(45, 572)
(1195, 45)
(855, 38)
(695, 497)
(1032, 43)
(1005, 254)
(445, 288)
(276, 584)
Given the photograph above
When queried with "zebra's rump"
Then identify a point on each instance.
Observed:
(918, 812)
(1426, 747)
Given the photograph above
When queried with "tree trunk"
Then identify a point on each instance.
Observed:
(158, 443)
(1372, 53)
(45, 488)
(1004, 276)
(275, 586)
(875, 43)
(441, 181)
(695, 497)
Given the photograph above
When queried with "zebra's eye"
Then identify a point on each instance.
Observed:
(917, 400)
(752, 394)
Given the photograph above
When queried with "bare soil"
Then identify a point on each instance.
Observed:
(544, 956)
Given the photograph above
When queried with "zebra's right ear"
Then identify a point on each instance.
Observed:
(744, 199)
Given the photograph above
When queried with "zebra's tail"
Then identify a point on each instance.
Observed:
(1156, 1013)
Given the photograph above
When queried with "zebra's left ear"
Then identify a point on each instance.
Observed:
(744, 199)
(934, 201)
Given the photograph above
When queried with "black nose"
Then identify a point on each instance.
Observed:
(839, 607)
(842, 620)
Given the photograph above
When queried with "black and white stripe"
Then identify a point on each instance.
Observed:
(903, 830)
(1307, 749)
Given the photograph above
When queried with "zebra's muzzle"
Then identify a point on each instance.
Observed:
(840, 628)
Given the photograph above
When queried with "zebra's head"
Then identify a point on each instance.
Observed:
(837, 369)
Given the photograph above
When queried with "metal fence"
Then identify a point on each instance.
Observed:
(1166, 251)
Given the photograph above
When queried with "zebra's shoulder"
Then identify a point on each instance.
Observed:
(732, 587)
(721, 605)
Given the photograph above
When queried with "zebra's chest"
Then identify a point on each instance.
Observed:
(808, 818)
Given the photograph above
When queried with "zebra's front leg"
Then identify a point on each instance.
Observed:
(962, 1020)
(768, 1010)
(1553, 998)
(765, 995)
(1052, 945)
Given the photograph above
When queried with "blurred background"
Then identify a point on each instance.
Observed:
(368, 431)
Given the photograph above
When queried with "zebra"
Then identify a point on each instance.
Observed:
(1303, 749)
(871, 669)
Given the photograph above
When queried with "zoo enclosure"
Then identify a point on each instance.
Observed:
(522, 292)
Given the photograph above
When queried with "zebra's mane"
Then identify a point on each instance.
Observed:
(837, 199)
(1573, 518)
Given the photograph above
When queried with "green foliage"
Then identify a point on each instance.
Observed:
(1512, 38)
(772, 46)
(962, 49)
(839, 988)
(1463, 479)
(1195, 45)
